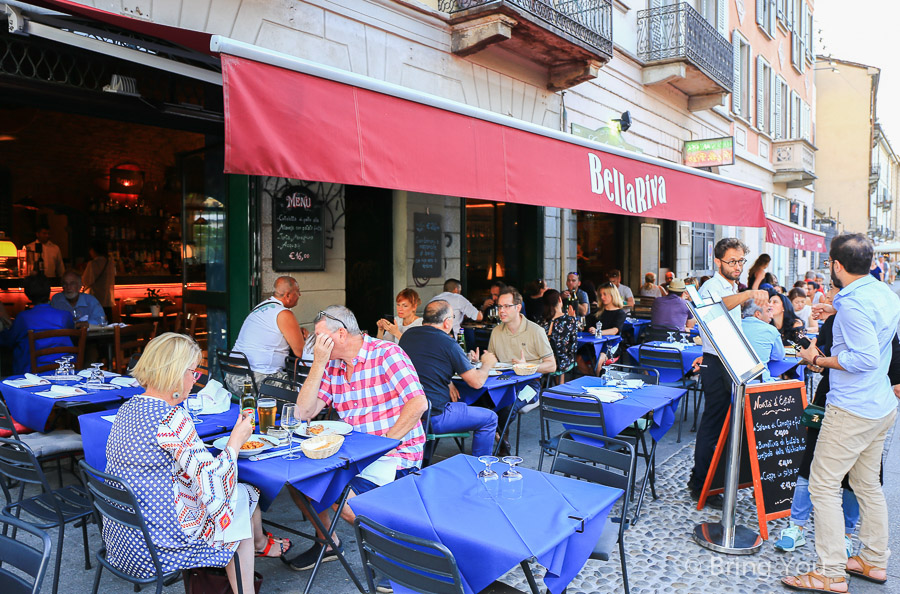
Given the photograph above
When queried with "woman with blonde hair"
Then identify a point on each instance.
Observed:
(407, 303)
(611, 318)
(197, 514)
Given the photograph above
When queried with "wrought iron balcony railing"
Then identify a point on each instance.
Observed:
(678, 31)
(588, 21)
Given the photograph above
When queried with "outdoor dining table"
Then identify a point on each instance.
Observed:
(633, 328)
(598, 342)
(556, 521)
(32, 410)
(689, 353)
(322, 482)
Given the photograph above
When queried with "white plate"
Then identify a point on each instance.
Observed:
(220, 444)
(333, 427)
(502, 366)
(495, 372)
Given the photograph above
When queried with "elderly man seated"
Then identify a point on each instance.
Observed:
(763, 336)
(437, 356)
(269, 333)
(518, 340)
(84, 308)
(373, 386)
(40, 317)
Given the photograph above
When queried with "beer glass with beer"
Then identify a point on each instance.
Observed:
(266, 408)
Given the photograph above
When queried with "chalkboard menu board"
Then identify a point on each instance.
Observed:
(298, 231)
(773, 445)
(428, 251)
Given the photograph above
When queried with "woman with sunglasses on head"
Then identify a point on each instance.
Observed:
(196, 512)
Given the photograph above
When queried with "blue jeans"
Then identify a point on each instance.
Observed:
(801, 506)
(458, 417)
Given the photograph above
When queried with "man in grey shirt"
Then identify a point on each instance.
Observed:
(462, 307)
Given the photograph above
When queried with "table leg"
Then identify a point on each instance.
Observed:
(526, 569)
(649, 476)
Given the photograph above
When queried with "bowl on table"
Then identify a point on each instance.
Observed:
(525, 368)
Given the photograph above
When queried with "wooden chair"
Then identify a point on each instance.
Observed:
(130, 340)
(78, 337)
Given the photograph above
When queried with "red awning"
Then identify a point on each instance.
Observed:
(287, 123)
(788, 235)
(195, 40)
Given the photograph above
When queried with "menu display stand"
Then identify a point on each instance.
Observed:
(742, 364)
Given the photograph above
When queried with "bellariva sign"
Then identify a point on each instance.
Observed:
(635, 196)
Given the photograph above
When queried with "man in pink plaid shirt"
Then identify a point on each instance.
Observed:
(373, 386)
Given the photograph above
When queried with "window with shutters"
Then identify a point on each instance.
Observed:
(782, 109)
(796, 117)
(741, 91)
(765, 16)
(798, 36)
(805, 113)
(782, 13)
(763, 96)
(810, 37)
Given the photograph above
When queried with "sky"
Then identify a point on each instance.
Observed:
(865, 31)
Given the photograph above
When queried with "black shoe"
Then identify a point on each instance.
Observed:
(713, 501)
(505, 448)
(307, 559)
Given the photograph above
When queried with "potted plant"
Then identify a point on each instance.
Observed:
(152, 300)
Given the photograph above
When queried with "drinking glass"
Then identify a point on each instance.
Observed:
(96, 374)
(70, 367)
(266, 407)
(580, 324)
(60, 368)
(511, 480)
(289, 422)
(489, 478)
(671, 337)
(194, 406)
(280, 434)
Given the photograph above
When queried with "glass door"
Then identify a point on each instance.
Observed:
(204, 270)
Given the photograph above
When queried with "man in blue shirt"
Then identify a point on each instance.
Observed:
(40, 317)
(437, 357)
(574, 295)
(764, 337)
(861, 407)
(82, 307)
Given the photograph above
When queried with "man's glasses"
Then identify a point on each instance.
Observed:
(325, 314)
(507, 306)
(740, 262)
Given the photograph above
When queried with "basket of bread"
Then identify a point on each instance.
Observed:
(322, 446)
(525, 368)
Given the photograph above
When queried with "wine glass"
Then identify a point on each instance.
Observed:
(511, 479)
(70, 367)
(194, 406)
(96, 374)
(60, 368)
(671, 337)
(488, 477)
(289, 422)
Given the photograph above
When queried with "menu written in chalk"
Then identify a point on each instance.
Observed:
(298, 232)
(428, 251)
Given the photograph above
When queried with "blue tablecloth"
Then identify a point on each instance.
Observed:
(633, 328)
(33, 411)
(776, 368)
(598, 342)
(662, 400)
(490, 536)
(501, 388)
(789, 365)
(95, 431)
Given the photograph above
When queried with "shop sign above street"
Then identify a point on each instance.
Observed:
(711, 152)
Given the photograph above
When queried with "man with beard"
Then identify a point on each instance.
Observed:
(860, 409)
(730, 258)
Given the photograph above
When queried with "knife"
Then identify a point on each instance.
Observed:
(268, 455)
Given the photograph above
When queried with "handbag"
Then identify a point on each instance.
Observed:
(213, 580)
(812, 416)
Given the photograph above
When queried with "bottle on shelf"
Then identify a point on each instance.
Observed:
(248, 402)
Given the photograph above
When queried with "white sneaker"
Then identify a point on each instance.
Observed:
(848, 544)
(791, 539)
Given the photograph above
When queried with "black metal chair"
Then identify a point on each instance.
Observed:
(235, 363)
(653, 333)
(282, 390)
(432, 439)
(545, 384)
(667, 360)
(53, 508)
(53, 445)
(28, 561)
(611, 465)
(295, 368)
(586, 412)
(113, 500)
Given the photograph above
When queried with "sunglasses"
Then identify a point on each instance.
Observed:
(196, 374)
(331, 317)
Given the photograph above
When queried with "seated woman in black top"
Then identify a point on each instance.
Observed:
(784, 319)
(611, 317)
(562, 331)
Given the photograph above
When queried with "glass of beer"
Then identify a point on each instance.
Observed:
(266, 408)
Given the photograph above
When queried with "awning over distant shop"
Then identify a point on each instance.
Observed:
(793, 236)
(288, 117)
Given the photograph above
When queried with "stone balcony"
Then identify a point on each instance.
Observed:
(795, 162)
(571, 38)
(682, 49)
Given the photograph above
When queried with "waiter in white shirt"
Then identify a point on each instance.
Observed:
(730, 257)
(42, 255)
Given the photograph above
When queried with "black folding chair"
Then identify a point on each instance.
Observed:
(113, 500)
(53, 508)
(28, 561)
(611, 465)
(585, 411)
(667, 360)
(418, 564)
(297, 371)
(236, 363)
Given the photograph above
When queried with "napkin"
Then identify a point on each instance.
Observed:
(671, 345)
(61, 392)
(605, 394)
(110, 418)
(28, 381)
(125, 381)
(215, 398)
(87, 373)
(633, 384)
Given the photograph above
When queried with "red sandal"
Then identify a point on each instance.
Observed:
(271, 540)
